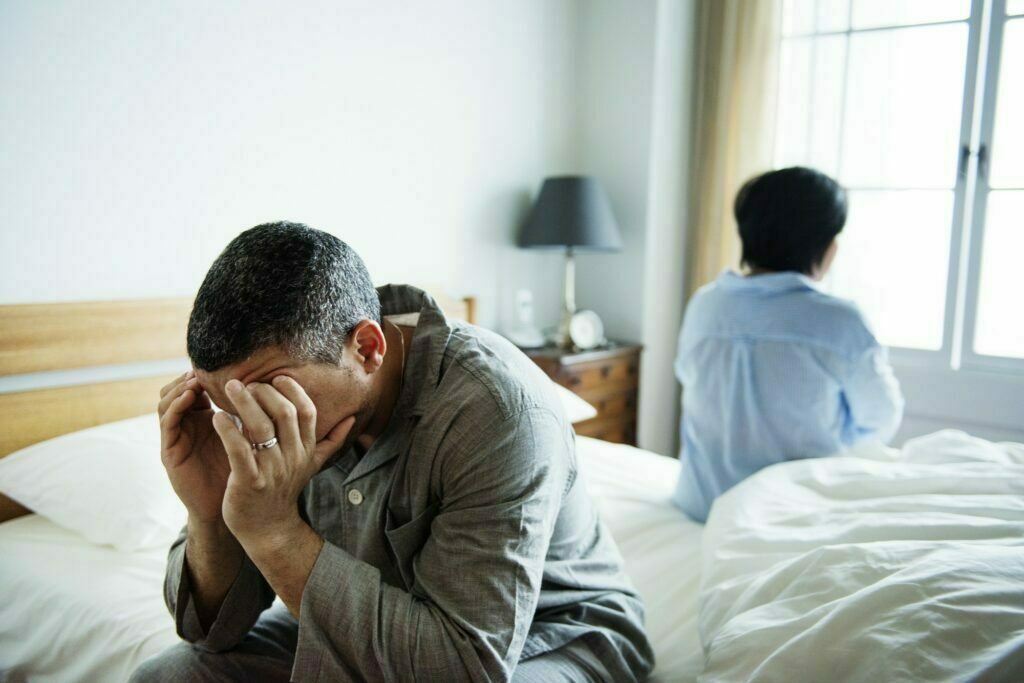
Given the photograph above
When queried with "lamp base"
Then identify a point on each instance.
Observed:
(562, 338)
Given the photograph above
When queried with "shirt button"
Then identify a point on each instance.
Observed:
(355, 497)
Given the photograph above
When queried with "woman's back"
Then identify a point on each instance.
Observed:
(772, 370)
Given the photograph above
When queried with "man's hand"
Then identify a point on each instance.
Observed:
(193, 456)
(261, 500)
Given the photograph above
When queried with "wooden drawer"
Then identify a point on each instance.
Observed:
(607, 378)
(607, 375)
(616, 404)
(616, 430)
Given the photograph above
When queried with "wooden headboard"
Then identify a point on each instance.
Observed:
(39, 340)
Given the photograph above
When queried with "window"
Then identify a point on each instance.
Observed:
(916, 107)
(999, 325)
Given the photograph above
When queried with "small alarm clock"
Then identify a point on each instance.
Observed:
(586, 330)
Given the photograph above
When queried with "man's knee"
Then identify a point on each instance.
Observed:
(253, 660)
(181, 662)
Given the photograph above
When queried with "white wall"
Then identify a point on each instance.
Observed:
(636, 64)
(989, 405)
(668, 199)
(616, 96)
(139, 137)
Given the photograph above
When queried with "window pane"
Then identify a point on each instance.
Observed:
(810, 102)
(875, 13)
(1015, 6)
(1000, 326)
(903, 104)
(832, 15)
(791, 139)
(893, 260)
(1008, 144)
(798, 17)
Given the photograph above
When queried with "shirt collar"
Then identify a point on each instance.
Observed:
(422, 371)
(429, 342)
(769, 283)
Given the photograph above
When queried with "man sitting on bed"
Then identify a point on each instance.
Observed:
(773, 368)
(405, 484)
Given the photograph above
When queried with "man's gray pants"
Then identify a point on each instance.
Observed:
(267, 652)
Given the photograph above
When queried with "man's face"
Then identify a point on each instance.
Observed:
(338, 392)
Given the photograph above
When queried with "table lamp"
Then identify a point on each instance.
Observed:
(571, 213)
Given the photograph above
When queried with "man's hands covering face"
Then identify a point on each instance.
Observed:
(261, 499)
(190, 449)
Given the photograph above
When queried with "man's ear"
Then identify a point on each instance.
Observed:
(367, 344)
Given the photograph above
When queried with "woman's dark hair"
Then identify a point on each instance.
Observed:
(788, 218)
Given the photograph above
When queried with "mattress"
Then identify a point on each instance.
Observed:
(660, 545)
(74, 611)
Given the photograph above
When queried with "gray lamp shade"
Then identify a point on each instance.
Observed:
(571, 211)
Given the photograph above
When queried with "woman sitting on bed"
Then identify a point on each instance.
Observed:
(774, 369)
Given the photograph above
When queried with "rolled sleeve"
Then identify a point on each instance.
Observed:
(476, 580)
(248, 597)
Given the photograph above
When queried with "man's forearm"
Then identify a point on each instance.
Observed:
(213, 558)
(286, 557)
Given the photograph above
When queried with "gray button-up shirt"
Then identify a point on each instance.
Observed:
(461, 542)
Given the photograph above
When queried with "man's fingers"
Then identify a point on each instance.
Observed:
(168, 396)
(283, 413)
(330, 444)
(305, 410)
(238, 448)
(172, 394)
(257, 424)
(170, 422)
(176, 381)
(173, 383)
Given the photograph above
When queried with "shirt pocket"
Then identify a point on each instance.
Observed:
(406, 540)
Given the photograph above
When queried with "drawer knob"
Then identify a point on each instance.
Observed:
(605, 371)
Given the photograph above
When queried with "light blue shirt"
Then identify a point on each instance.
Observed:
(773, 369)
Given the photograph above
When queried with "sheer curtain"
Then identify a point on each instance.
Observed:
(735, 122)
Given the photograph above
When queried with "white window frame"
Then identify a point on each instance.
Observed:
(954, 383)
(973, 238)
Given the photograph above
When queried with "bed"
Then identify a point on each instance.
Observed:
(878, 565)
(72, 609)
(81, 588)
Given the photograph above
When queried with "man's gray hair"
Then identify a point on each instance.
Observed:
(280, 284)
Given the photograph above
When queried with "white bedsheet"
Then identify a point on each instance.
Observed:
(74, 611)
(882, 566)
(660, 545)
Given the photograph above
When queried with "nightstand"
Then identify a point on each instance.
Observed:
(608, 378)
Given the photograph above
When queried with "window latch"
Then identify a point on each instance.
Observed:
(965, 158)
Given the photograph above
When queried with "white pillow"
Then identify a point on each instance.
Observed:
(105, 483)
(576, 409)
